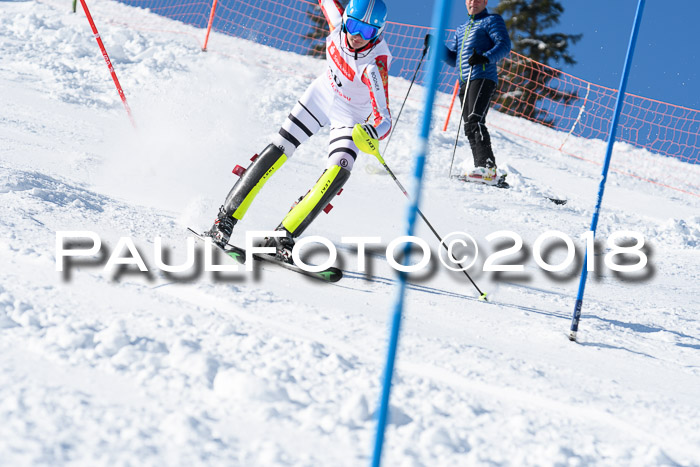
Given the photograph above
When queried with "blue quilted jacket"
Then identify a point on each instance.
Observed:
(486, 33)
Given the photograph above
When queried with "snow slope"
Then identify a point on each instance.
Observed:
(270, 368)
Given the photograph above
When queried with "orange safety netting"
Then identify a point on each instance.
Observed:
(527, 89)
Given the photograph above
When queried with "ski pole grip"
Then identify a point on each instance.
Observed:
(426, 43)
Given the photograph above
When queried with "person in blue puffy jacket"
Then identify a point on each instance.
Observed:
(478, 45)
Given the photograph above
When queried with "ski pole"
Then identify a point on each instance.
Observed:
(426, 44)
(461, 117)
(375, 153)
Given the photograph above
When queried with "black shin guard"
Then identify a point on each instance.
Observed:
(325, 189)
(247, 187)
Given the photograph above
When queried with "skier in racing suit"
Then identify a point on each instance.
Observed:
(353, 87)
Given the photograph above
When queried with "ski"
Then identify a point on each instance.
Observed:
(331, 274)
(558, 201)
(500, 182)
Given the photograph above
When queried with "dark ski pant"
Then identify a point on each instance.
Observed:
(474, 114)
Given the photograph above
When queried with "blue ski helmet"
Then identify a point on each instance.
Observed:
(363, 13)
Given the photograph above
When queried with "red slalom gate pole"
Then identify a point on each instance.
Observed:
(452, 103)
(211, 21)
(108, 61)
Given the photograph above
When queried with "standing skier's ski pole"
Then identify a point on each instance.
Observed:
(375, 153)
(461, 117)
(426, 44)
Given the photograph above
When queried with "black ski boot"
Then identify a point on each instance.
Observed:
(284, 245)
(220, 232)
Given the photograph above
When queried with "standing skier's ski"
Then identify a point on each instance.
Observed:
(331, 274)
(499, 182)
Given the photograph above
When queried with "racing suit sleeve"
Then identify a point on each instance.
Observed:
(333, 11)
(376, 77)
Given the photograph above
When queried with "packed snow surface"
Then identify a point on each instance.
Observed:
(123, 367)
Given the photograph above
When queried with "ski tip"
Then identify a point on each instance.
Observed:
(482, 297)
(237, 255)
(330, 275)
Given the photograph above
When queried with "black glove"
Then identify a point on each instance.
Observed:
(478, 59)
(428, 41)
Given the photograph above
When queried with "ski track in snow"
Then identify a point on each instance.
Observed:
(275, 369)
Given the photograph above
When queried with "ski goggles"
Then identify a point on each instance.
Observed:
(355, 27)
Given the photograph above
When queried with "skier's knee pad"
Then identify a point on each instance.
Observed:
(341, 158)
(325, 189)
(247, 187)
(342, 149)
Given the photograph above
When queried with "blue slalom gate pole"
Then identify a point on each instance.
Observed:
(440, 11)
(606, 165)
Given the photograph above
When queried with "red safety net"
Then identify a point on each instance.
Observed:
(527, 89)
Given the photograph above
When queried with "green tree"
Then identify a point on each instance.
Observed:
(319, 30)
(318, 33)
(525, 81)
